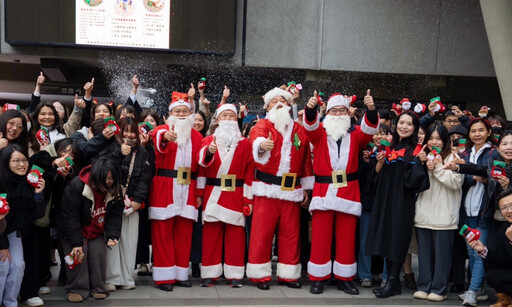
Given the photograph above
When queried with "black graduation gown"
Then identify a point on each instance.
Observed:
(392, 218)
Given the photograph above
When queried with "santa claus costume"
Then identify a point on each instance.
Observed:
(172, 196)
(336, 204)
(282, 175)
(224, 180)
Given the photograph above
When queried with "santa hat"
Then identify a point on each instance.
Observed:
(406, 104)
(340, 100)
(484, 110)
(273, 93)
(179, 99)
(225, 106)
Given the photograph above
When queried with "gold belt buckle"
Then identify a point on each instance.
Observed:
(283, 181)
(228, 186)
(335, 176)
(184, 175)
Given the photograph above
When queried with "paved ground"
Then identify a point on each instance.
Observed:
(146, 294)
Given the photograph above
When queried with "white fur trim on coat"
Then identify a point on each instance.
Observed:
(211, 271)
(159, 137)
(164, 213)
(164, 273)
(233, 272)
(216, 213)
(288, 271)
(247, 191)
(286, 150)
(335, 204)
(260, 188)
(259, 270)
(181, 273)
(367, 128)
(344, 270)
(311, 127)
(307, 183)
(263, 159)
(319, 270)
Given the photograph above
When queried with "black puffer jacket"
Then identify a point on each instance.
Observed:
(75, 212)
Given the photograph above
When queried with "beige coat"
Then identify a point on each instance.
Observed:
(438, 207)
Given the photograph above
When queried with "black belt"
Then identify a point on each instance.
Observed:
(277, 180)
(217, 182)
(172, 173)
(328, 179)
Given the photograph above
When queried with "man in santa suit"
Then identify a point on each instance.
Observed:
(283, 171)
(226, 174)
(336, 201)
(173, 208)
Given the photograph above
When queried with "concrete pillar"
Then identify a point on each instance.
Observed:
(498, 24)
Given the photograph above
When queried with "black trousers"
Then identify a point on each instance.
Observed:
(31, 281)
(144, 241)
(500, 280)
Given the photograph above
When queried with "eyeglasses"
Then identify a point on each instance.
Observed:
(19, 161)
(452, 121)
(338, 111)
(506, 208)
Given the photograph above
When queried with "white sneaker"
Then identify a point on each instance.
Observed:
(436, 297)
(110, 287)
(421, 295)
(481, 295)
(44, 290)
(366, 283)
(462, 295)
(34, 301)
(470, 299)
(127, 287)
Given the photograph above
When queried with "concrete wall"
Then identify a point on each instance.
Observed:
(437, 37)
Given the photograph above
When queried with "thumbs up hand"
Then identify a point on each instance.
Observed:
(191, 92)
(268, 144)
(313, 101)
(88, 87)
(79, 102)
(423, 155)
(225, 94)
(125, 148)
(368, 101)
(40, 79)
(212, 148)
(170, 135)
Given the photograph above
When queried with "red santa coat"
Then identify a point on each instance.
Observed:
(167, 197)
(225, 206)
(290, 154)
(326, 159)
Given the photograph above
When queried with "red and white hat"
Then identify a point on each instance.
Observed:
(340, 100)
(179, 99)
(273, 93)
(225, 106)
(406, 104)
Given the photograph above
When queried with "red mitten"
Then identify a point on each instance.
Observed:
(397, 108)
(4, 205)
(247, 210)
(110, 122)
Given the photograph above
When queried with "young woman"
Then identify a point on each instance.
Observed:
(437, 217)
(150, 116)
(400, 175)
(46, 116)
(480, 151)
(26, 205)
(91, 214)
(201, 122)
(13, 129)
(132, 159)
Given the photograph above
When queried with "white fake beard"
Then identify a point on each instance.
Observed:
(182, 127)
(280, 117)
(336, 126)
(227, 135)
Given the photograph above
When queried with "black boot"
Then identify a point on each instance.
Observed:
(392, 288)
(347, 287)
(317, 287)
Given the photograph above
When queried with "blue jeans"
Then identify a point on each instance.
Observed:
(476, 264)
(364, 262)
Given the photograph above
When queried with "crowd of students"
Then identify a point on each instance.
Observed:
(102, 183)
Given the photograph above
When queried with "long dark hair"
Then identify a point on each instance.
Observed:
(443, 134)
(96, 105)
(36, 126)
(22, 140)
(150, 112)
(66, 115)
(129, 110)
(206, 123)
(62, 144)
(98, 176)
(5, 170)
(412, 141)
(490, 138)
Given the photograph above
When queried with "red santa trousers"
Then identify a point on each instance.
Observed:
(172, 239)
(214, 233)
(344, 267)
(269, 213)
